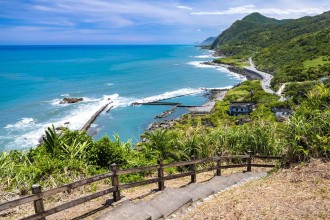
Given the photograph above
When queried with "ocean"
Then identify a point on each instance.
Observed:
(34, 79)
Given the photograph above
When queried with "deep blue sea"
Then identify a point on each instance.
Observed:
(34, 79)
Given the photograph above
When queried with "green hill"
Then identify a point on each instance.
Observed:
(292, 49)
(207, 42)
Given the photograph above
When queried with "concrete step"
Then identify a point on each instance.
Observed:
(238, 177)
(260, 174)
(219, 183)
(226, 180)
(216, 186)
(198, 191)
(127, 211)
(169, 201)
(150, 210)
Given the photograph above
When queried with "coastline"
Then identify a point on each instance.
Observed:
(243, 72)
(214, 96)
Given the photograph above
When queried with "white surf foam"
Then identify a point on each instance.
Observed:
(172, 94)
(237, 76)
(73, 119)
(109, 84)
(201, 64)
(85, 110)
(56, 102)
(225, 87)
(204, 56)
(21, 124)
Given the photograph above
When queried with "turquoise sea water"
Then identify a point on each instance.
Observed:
(33, 80)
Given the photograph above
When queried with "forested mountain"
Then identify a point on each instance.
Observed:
(207, 42)
(292, 50)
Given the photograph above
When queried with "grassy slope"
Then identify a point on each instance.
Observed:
(231, 61)
(319, 61)
(302, 192)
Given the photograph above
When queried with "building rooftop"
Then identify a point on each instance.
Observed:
(241, 104)
(281, 109)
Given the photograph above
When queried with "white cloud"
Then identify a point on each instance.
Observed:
(183, 7)
(247, 9)
(167, 21)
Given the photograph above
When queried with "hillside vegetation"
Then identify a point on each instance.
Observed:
(70, 155)
(291, 50)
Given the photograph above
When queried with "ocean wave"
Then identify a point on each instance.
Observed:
(109, 84)
(56, 101)
(225, 87)
(237, 76)
(204, 56)
(169, 95)
(21, 124)
(73, 119)
(200, 64)
(78, 116)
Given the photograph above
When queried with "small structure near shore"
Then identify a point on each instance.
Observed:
(93, 118)
(168, 112)
(241, 108)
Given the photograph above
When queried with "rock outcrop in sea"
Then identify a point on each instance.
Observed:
(71, 100)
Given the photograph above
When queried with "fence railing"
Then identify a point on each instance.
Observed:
(38, 195)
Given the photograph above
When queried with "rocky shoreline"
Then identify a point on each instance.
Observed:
(214, 95)
(234, 69)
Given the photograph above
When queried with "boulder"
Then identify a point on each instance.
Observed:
(71, 100)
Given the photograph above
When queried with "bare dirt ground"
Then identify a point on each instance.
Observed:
(302, 192)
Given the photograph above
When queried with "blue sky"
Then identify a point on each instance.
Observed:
(134, 21)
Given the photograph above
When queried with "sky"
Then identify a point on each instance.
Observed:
(135, 21)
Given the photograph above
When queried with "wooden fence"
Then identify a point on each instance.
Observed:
(216, 164)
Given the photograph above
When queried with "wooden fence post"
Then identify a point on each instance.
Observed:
(115, 183)
(219, 164)
(161, 185)
(249, 161)
(38, 204)
(193, 169)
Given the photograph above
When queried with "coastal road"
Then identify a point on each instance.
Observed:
(266, 78)
(279, 92)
